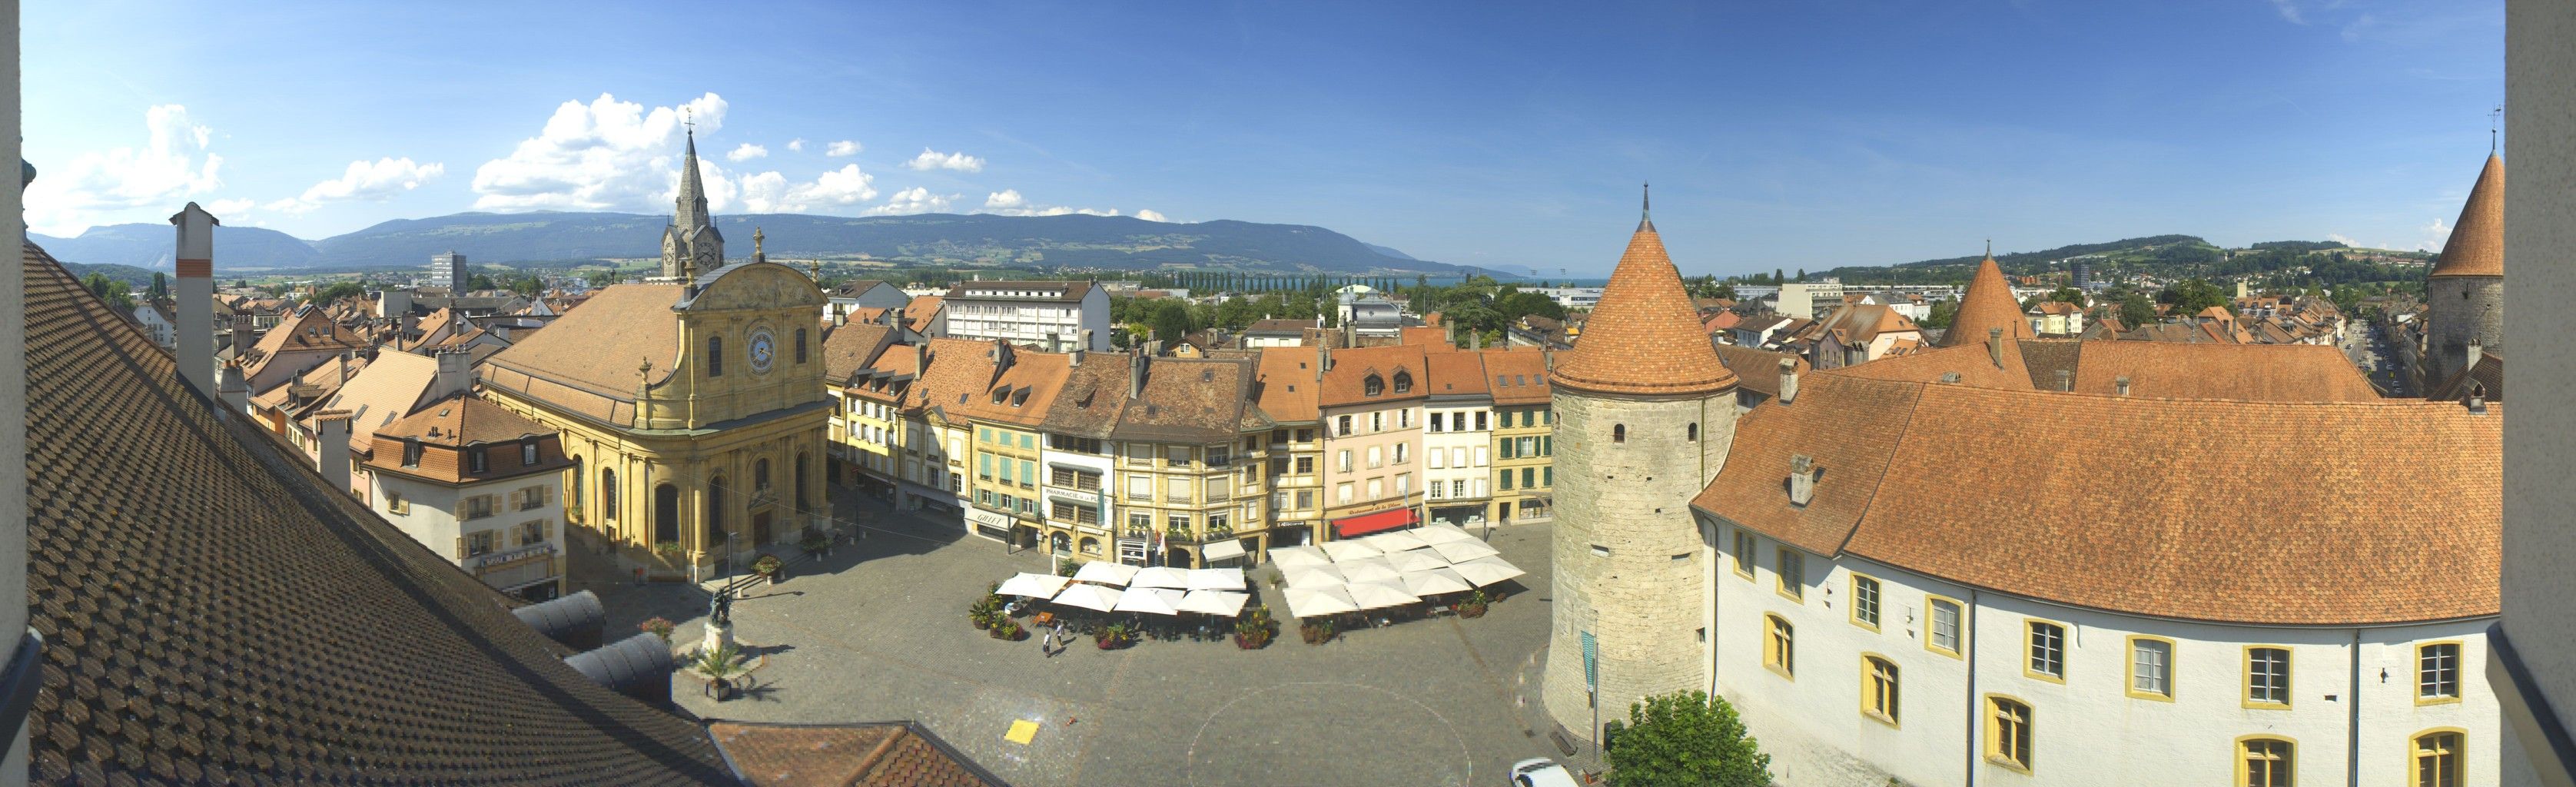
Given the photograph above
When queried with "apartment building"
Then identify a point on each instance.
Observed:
(1457, 440)
(1192, 450)
(1370, 403)
(1286, 389)
(1524, 435)
(479, 485)
(1053, 315)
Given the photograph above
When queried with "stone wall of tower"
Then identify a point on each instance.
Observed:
(1647, 610)
(2463, 308)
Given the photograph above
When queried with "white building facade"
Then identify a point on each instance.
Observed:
(1051, 315)
(1457, 457)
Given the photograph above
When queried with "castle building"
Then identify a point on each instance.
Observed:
(2465, 289)
(1986, 307)
(1647, 412)
(695, 410)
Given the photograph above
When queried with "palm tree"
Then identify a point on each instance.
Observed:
(720, 667)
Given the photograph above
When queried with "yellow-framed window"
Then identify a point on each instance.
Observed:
(1878, 688)
(1865, 598)
(2435, 757)
(1780, 646)
(1789, 570)
(2437, 673)
(2263, 761)
(1945, 625)
(2008, 732)
(2267, 676)
(2151, 668)
(1747, 550)
(2045, 647)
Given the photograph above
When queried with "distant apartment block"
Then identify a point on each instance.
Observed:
(450, 271)
(1053, 315)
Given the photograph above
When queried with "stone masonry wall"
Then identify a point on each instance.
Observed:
(2461, 311)
(1646, 601)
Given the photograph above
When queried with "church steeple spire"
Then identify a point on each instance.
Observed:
(1646, 207)
(692, 208)
(691, 243)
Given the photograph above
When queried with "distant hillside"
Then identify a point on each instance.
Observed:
(137, 278)
(151, 246)
(1388, 252)
(1046, 242)
(2165, 257)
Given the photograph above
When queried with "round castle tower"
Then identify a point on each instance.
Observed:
(2466, 286)
(1644, 416)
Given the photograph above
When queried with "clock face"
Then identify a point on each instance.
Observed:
(763, 350)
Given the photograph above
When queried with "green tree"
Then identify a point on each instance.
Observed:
(2067, 295)
(1942, 313)
(479, 282)
(114, 291)
(1686, 739)
(2136, 310)
(2190, 296)
(1171, 319)
(602, 278)
(1726, 290)
(339, 290)
(160, 285)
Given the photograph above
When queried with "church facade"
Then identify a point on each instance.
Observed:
(694, 409)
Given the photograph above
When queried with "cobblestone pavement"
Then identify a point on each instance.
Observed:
(879, 632)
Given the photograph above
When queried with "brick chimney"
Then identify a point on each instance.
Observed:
(1788, 380)
(2477, 351)
(195, 291)
(1323, 361)
(1476, 340)
(455, 375)
(244, 334)
(331, 437)
(1802, 479)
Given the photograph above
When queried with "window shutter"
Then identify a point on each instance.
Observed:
(460, 548)
(515, 498)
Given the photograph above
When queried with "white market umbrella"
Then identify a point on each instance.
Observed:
(1161, 577)
(1348, 550)
(1441, 534)
(1214, 602)
(1292, 557)
(1368, 571)
(1435, 582)
(1032, 585)
(1487, 571)
(1315, 577)
(1106, 573)
(1094, 597)
(1394, 541)
(1216, 579)
(1416, 560)
(1151, 601)
(1318, 602)
(1379, 595)
(1463, 551)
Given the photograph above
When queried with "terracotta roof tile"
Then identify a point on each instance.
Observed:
(590, 355)
(1190, 400)
(1458, 374)
(1288, 386)
(2476, 247)
(1757, 369)
(896, 754)
(849, 348)
(1346, 383)
(1988, 304)
(1644, 337)
(1519, 375)
(297, 637)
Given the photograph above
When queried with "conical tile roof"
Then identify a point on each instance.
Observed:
(1644, 337)
(1987, 305)
(2476, 247)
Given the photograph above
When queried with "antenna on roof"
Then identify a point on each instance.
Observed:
(2495, 120)
(1990, 247)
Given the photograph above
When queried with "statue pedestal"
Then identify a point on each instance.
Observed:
(719, 636)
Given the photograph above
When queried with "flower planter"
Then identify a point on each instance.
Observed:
(1471, 610)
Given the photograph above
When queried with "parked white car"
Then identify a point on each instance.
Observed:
(1542, 772)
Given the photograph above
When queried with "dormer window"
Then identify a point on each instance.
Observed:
(411, 452)
(478, 460)
(1372, 386)
(528, 452)
(1403, 382)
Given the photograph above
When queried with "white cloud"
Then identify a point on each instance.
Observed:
(174, 163)
(843, 148)
(796, 145)
(374, 181)
(1149, 214)
(2339, 238)
(2435, 234)
(931, 159)
(913, 200)
(604, 155)
(1006, 198)
(2289, 10)
(222, 207)
(1008, 202)
(769, 192)
(747, 152)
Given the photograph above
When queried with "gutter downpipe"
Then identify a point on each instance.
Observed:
(2352, 730)
(1966, 625)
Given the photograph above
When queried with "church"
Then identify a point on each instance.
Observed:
(692, 404)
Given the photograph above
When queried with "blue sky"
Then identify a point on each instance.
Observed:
(1798, 135)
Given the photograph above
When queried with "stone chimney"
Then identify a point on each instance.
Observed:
(1135, 375)
(1802, 479)
(2477, 398)
(1995, 346)
(2065, 380)
(2123, 384)
(232, 390)
(1788, 380)
(1476, 340)
(1089, 337)
(195, 291)
(1350, 334)
(2477, 351)
(920, 359)
(393, 302)
(244, 335)
(1323, 361)
(455, 375)
(331, 438)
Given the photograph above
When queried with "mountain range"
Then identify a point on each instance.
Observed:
(937, 240)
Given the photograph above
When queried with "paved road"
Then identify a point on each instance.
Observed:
(879, 633)
(2371, 353)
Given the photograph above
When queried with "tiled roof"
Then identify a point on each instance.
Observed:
(1988, 304)
(849, 348)
(1757, 369)
(586, 361)
(1429, 337)
(448, 426)
(1095, 392)
(855, 287)
(1026, 388)
(2300, 537)
(386, 390)
(920, 312)
(308, 332)
(1644, 337)
(1288, 327)
(297, 637)
(1287, 387)
(1191, 400)
(1458, 374)
(895, 754)
(2485, 378)
(1073, 290)
(462, 420)
(1519, 375)
(1346, 383)
(897, 361)
(2164, 370)
(2476, 247)
(316, 383)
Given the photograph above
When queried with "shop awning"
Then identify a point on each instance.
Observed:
(1220, 550)
(1364, 524)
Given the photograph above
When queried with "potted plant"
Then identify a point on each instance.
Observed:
(1473, 606)
(720, 667)
(1009, 629)
(1114, 636)
(1067, 568)
(669, 550)
(1255, 629)
(769, 567)
(982, 612)
(815, 543)
(659, 627)
(1316, 632)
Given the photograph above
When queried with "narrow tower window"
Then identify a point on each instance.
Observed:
(1618, 433)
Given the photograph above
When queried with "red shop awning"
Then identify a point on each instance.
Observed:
(1364, 524)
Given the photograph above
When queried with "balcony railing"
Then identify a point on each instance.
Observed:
(1177, 497)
